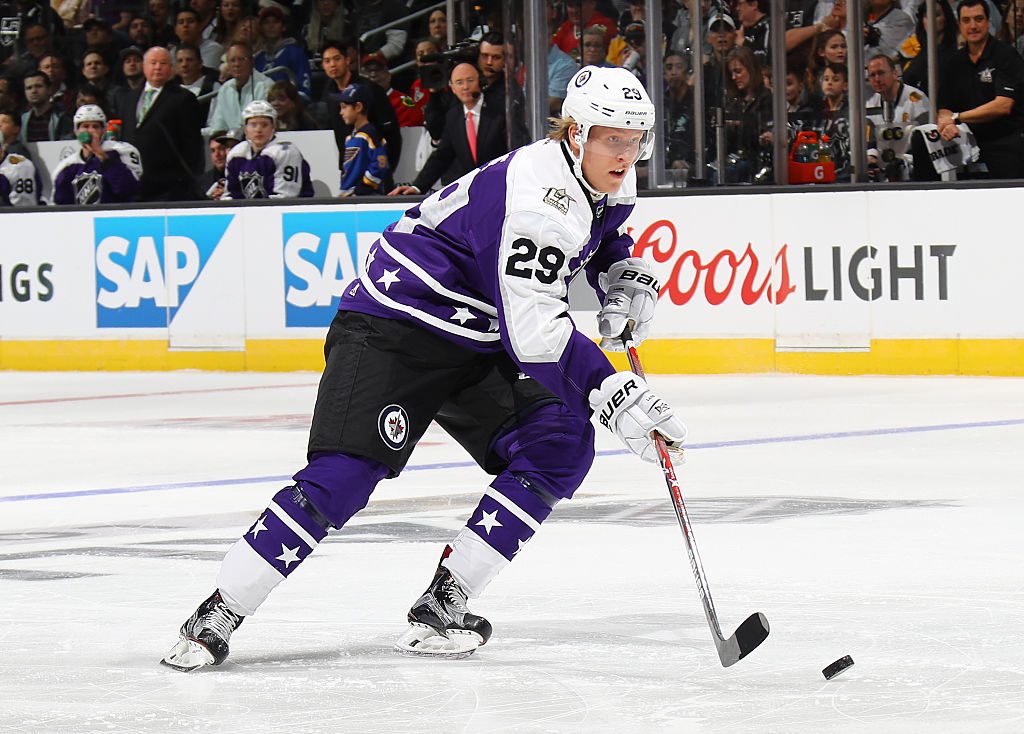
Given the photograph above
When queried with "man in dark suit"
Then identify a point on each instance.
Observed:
(163, 122)
(474, 133)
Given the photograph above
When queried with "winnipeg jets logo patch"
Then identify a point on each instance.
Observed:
(252, 185)
(559, 199)
(393, 425)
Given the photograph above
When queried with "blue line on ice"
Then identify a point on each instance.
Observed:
(465, 464)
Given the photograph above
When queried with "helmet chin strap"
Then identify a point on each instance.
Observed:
(577, 170)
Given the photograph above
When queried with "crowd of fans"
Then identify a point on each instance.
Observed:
(190, 95)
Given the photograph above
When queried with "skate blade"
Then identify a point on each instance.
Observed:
(187, 655)
(422, 641)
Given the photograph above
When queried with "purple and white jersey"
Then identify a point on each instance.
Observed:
(19, 182)
(83, 182)
(277, 172)
(486, 263)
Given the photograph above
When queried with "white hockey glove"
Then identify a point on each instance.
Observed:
(632, 294)
(625, 405)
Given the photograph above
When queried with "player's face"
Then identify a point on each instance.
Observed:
(259, 131)
(218, 153)
(880, 76)
(835, 50)
(94, 128)
(973, 23)
(8, 130)
(609, 153)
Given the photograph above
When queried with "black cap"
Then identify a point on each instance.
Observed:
(131, 51)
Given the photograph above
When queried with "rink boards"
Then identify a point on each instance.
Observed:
(886, 282)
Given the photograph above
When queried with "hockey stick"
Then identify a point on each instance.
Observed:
(754, 629)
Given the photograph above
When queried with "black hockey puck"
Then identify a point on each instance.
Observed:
(843, 663)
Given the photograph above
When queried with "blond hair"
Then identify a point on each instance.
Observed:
(558, 127)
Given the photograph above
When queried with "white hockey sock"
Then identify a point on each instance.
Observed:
(473, 563)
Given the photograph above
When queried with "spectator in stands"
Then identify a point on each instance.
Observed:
(426, 48)
(802, 28)
(981, 90)
(291, 110)
(370, 14)
(95, 70)
(89, 94)
(335, 60)
(753, 15)
(244, 86)
(195, 77)
(408, 112)
(37, 43)
(19, 180)
(327, 20)
(491, 61)
(916, 73)
(278, 50)
(678, 114)
(140, 32)
(595, 47)
(163, 123)
(561, 68)
(721, 39)
(187, 29)
(100, 37)
(228, 15)
(206, 12)
(61, 95)
(437, 26)
(247, 31)
(213, 182)
(834, 114)
(162, 23)
(99, 171)
(634, 54)
(826, 48)
(886, 29)
(262, 167)
(17, 14)
(893, 111)
(748, 110)
(10, 133)
(580, 15)
(42, 121)
(799, 100)
(366, 170)
(121, 95)
(474, 134)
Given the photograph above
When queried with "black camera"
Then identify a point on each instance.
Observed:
(872, 36)
(435, 68)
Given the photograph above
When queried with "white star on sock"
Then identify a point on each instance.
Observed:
(288, 555)
(389, 277)
(259, 527)
(493, 325)
(462, 315)
(522, 544)
(369, 259)
(490, 520)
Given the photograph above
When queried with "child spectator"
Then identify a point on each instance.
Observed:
(278, 50)
(366, 168)
(834, 112)
(100, 171)
(827, 48)
(262, 167)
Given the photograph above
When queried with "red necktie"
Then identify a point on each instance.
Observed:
(471, 134)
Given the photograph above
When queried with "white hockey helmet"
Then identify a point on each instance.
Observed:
(90, 113)
(259, 108)
(611, 97)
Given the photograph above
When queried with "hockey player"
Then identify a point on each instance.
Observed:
(262, 167)
(461, 316)
(366, 168)
(100, 171)
(19, 180)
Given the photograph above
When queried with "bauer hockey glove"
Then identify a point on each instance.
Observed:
(625, 405)
(632, 294)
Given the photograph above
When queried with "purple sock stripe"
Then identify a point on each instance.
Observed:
(285, 501)
(504, 538)
(512, 490)
(278, 544)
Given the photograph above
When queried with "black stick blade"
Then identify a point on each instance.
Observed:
(744, 641)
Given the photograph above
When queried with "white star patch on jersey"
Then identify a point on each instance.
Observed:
(462, 315)
(259, 527)
(490, 520)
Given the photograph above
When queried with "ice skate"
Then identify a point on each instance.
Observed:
(204, 636)
(440, 624)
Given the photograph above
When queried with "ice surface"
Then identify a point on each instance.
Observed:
(877, 517)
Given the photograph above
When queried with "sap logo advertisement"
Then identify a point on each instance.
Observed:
(147, 266)
(321, 256)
